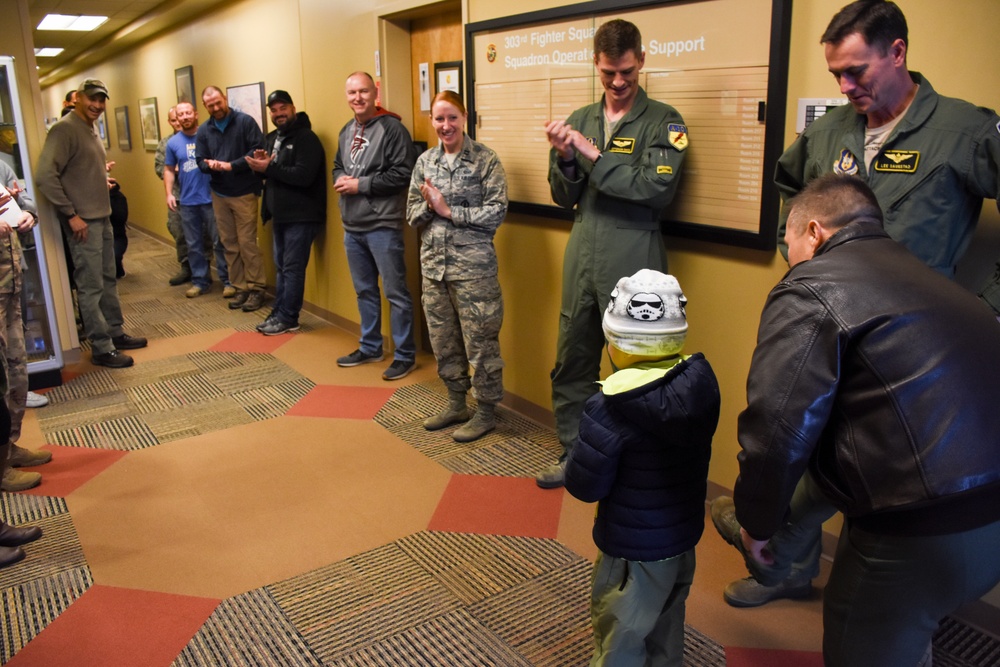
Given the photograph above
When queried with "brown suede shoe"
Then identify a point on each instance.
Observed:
(21, 457)
(18, 480)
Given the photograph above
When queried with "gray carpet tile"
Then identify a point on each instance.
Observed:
(517, 448)
(353, 604)
(130, 433)
(959, 645)
(29, 606)
(23, 508)
(248, 630)
(450, 639)
(546, 618)
(475, 567)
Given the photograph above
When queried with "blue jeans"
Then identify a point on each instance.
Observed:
(292, 243)
(369, 255)
(198, 222)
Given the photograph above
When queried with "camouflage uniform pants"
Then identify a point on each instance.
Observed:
(464, 318)
(176, 230)
(15, 358)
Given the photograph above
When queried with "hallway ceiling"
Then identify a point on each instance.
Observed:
(129, 23)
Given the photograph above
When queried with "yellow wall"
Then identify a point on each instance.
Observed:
(309, 47)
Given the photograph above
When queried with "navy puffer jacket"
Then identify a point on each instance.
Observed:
(644, 454)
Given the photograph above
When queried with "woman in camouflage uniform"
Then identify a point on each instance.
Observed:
(458, 195)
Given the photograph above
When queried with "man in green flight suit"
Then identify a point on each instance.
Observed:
(618, 163)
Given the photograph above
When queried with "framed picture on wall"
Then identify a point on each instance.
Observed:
(149, 122)
(184, 81)
(249, 99)
(102, 130)
(121, 124)
(448, 76)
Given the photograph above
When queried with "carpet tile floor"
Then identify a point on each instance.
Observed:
(239, 500)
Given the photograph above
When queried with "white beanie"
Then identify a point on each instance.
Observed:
(646, 315)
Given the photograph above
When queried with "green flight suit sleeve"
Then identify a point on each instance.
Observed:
(984, 178)
(790, 178)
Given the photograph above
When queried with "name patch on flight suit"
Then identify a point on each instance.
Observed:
(664, 169)
(846, 164)
(677, 135)
(904, 162)
(621, 145)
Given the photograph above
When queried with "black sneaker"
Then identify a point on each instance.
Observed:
(112, 359)
(126, 342)
(358, 357)
(238, 300)
(399, 369)
(267, 320)
(276, 327)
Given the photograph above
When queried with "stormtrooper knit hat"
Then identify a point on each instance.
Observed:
(646, 315)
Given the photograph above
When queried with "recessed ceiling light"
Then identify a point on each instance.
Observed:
(71, 22)
(47, 52)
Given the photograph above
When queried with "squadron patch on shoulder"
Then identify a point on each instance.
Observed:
(846, 164)
(677, 135)
(903, 162)
(621, 145)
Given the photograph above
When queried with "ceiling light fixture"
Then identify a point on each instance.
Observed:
(47, 52)
(71, 22)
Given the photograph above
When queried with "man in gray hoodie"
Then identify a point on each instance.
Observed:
(375, 158)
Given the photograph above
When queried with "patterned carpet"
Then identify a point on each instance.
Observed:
(433, 597)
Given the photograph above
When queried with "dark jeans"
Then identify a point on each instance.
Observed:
(198, 222)
(887, 594)
(292, 243)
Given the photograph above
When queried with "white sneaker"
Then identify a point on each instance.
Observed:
(36, 400)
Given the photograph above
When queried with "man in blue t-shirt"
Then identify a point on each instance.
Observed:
(195, 205)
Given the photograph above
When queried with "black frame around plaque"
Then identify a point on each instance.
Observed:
(774, 116)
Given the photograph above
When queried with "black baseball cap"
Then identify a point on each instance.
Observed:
(279, 96)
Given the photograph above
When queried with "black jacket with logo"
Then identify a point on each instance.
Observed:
(295, 181)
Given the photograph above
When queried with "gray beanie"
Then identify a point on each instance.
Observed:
(646, 315)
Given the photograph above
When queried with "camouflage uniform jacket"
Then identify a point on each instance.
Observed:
(11, 260)
(476, 190)
(160, 162)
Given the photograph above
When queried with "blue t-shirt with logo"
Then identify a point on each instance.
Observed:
(195, 189)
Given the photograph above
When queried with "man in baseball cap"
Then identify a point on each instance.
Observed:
(93, 87)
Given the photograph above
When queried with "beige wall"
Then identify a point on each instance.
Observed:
(310, 47)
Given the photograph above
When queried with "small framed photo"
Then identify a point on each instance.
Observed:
(102, 130)
(184, 81)
(149, 122)
(249, 99)
(121, 124)
(448, 76)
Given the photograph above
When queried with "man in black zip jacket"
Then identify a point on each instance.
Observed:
(293, 167)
